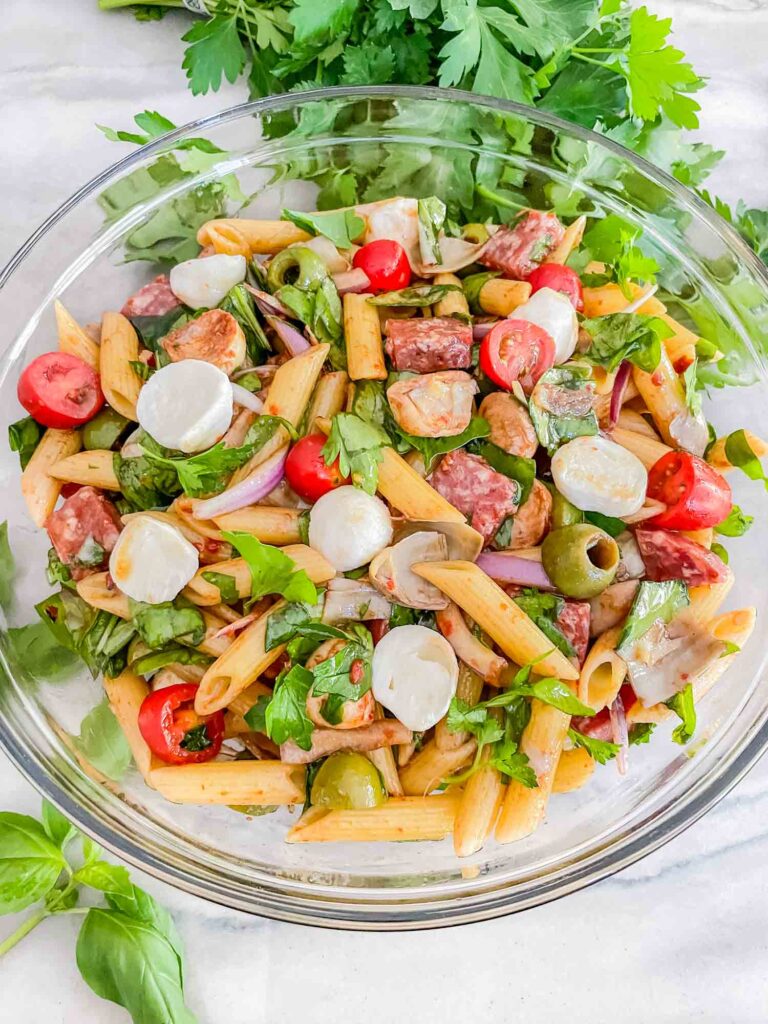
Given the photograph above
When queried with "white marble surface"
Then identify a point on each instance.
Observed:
(679, 937)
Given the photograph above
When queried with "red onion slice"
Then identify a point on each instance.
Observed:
(619, 387)
(620, 732)
(507, 567)
(242, 396)
(268, 304)
(479, 331)
(294, 341)
(258, 485)
(233, 628)
(348, 281)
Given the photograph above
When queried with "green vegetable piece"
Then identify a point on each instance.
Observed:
(431, 220)
(581, 560)
(514, 466)
(226, 584)
(272, 571)
(286, 716)
(473, 285)
(653, 601)
(239, 303)
(736, 523)
(347, 781)
(30, 863)
(357, 445)
(631, 336)
(159, 624)
(683, 706)
(432, 447)
(144, 482)
(297, 266)
(612, 526)
(641, 733)
(7, 568)
(104, 430)
(102, 742)
(739, 453)
(416, 295)
(599, 750)
(58, 828)
(562, 406)
(23, 437)
(342, 227)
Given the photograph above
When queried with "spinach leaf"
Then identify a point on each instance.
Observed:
(599, 750)
(146, 664)
(98, 637)
(159, 624)
(23, 437)
(612, 526)
(683, 706)
(653, 601)
(514, 466)
(286, 715)
(431, 220)
(432, 447)
(102, 742)
(342, 227)
(57, 572)
(272, 571)
(544, 609)
(227, 585)
(561, 406)
(416, 295)
(357, 445)
(30, 863)
(739, 453)
(144, 482)
(152, 330)
(632, 336)
(239, 303)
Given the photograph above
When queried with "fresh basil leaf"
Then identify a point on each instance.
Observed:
(370, 404)
(326, 322)
(620, 336)
(431, 221)
(23, 437)
(416, 295)
(102, 742)
(98, 637)
(144, 482)
(152, 330)
(30, 863)
(735, 524)
(226, 584)
(7, 568)
(652, 601)
(514, 466)
(683, 706)
(105, 877)
(250, 381)
(239, 304)
(40, 655)
(719, 550)
(286, 715)
(599, 750)
(299, 620)
(401, 616)
(142, 370)
(160, 624)
(640, 733)
(357, 445)
(146, 664)
(562, 406)
(256, 717)
(272, 571)
(129, 962)
(139, 905)
(544, 610)
(342, 227)
(612, 526)
(432, 448)
(739, 453)
(58, 828)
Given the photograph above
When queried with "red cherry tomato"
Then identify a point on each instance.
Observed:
(67, 490)
(174, 731)
(306, 470)
(516, 350)
(59, 390)
(696, 495)
(559, 279)
(386, 264)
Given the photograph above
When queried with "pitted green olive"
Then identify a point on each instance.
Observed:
(476, 233)
(296, 265)
(563, 512)
(103, 430)
(347, 781)
(581, 559)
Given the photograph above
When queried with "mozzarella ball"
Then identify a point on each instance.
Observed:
(598, 475)
(203, 283)
(415, 673)
(186, 405)
(349, 527)
(555, 313)
(152, 560)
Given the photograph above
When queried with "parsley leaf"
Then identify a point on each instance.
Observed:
(214, 50)
(334, 675)
(599, 750)
(544, 609)
(632, 336)
(640, 732)
(735, 524)
(357, 445)
(285, 717)
(272, 571)
(683, 706)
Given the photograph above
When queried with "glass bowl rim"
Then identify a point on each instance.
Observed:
(342, 909)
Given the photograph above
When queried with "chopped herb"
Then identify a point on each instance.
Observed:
(357, 445)
(632, 336)
(23, 437)
(599, 750)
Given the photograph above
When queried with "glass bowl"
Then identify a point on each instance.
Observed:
(383, 141)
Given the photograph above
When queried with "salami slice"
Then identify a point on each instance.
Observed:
(154, 299)
(672, 556)
(84, 531)
(517, 251)
(426, 345)
(474, 488)
(573, 622)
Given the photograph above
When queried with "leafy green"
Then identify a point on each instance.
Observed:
(739, 453)
(214, 50)
(58, 829)
(640, 732)
(632, 336)
(102, 742)
(160, 624)
(357, 445)
(433, 447)
(599, 750)
(653, 601)
(611, 240)
(342, 227)
(23, 437)
(431, 221)
(227, 585)
(145, 483)
(610, 524)
(415, 295)
(736, 523)
(30, 863)
(545, 609)
(272, 571)
(299, 620)
(514, 466)
(40, 655)
(334, 675)
(7, 568)
(147, 663)
(683, 706)
(239, 303)
(98, 637)
(561, 406)
(719, 550)
(286, 714)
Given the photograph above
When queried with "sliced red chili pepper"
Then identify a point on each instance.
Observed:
(174, 731)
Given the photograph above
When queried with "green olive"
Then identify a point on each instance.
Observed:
(581, 559)
(476, 233)
(347, 781)
(103, 430)
(563, 512)
(297, 265)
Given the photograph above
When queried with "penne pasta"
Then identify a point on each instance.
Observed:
(431, 765)
(39, 489)
(242, 237)
(703, 537)
(452, 303)
(329, 398)
(663, 393)
(574, 770)
(644, 447)
(399, 819)
(201, 591)
(571, 240)
(410, 493)
(706, 599)
(243, 702)
(478, 810)
(126, 694)
(73, 339)
(637, 423)
(362, 335)
(119, 347)
(262, 783)
(89, 468)
(500, 297)
(94, 591)
(603, 672)
(609, 298)
(496, 613)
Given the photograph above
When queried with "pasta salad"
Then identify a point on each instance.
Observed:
(408, 522)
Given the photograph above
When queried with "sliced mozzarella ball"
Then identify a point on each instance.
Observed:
(203, 283)
(186, 405)
(555, 313)
(415, 673)
(349, 527)
(690, 431)
(152, 560)
(396, 219)
(598, 475)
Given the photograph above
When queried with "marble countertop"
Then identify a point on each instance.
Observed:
(678, 937)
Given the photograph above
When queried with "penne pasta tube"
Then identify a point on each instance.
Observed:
(609, 298)
(201, 591)
(211, 550)
(362, 335)
(270, 524)
(523, 809)
(681, 348)
(89, 468)
(243, 702)
(703, 537)
(500, 297)
(644, 447)
(399, 819)
(478, 810)
(329, 398)
(603, 672)
(498, 615)
(232, 782)
(410, 493)
(634, 421)
(126, 694)
(571, 240)
(427, 769)
(663, 393)
(706, 599)
(39, 489)
(119, 347)
(240, 664)
(453, 303)
(574, 770)
(73, 339)
(241, 237)
(716, 455)
(94, 591)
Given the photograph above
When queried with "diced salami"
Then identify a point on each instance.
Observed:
(474, 488)
(518, 250)
(84, 531)
(672, 556)
(426, 345)
(154, 299)
(573, 622)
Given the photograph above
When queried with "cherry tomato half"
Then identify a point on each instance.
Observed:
(306, 470)
(559, 279)
(386, 264)
(516, 350)
(696, 495)
(59, 390)
(174, 731)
